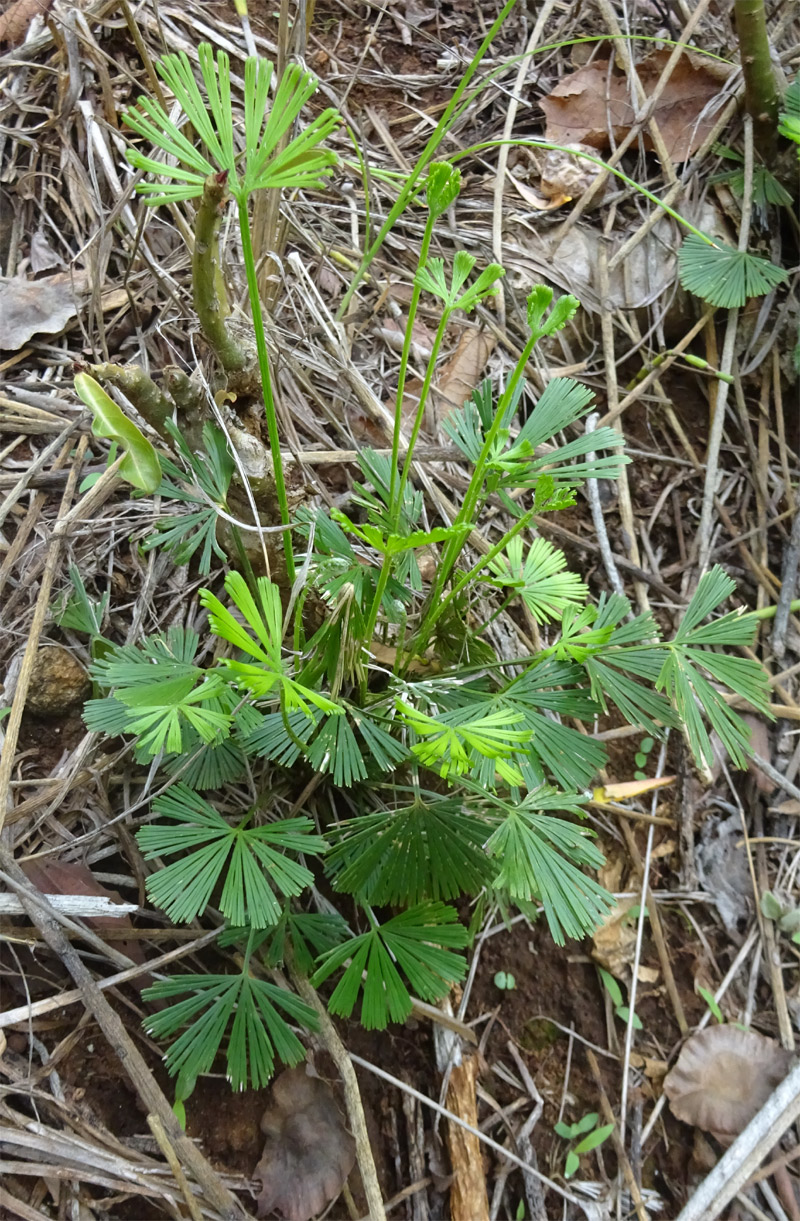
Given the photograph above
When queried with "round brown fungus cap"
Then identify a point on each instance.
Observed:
(723, 1077)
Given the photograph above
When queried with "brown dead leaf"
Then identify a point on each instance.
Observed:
(308, 1154)
(537, 202)
(615, 940)
(43, 256)
(31, 307)
(15, 20)
(460, 375)
(566, 175)
(723, 1076)
(52, 877)
(588, 105)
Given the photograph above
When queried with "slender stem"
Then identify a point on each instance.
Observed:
(438, 606)
(427, 156)
(760, 86)
(423, 399)
(266, 381)
(208, 286)
(383, 581)
(455, 545)
(395, 509)
(611, 169)
(395, 506)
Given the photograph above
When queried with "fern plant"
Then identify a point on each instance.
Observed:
(452, 773)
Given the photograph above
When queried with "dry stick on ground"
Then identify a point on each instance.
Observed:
(533, 1189)
(702, 545)
(487, 1140)
(29, 659)
(40, 912)
(791, 559)
(658, 932)
(593, 496)
(352, 1096)
(502, 156)
(612, 397)
(157, 1128)
(772, 954)
(658, 372)
(32, 516)
(23, 1013)
(118, 1039)
(622, 52)
(608, 1114)
(629, 1027)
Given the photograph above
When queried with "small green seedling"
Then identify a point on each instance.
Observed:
(184, 1088)
(592, 1138)
(78, 611)
(645, 746)
(708, 997)
(618, 1000)
(784, 915)
(505, 981)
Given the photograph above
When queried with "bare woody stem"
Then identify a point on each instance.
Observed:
(761, 91)
(208, 287)
(141, 390)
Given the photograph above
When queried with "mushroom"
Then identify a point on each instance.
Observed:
(723, 1077)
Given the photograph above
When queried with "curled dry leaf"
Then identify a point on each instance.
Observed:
(460, 375)
(31, 307)
(43, 256)
(18, 16)
(615, 940)
(308, 1154)
(723, 1077)
(588, 105)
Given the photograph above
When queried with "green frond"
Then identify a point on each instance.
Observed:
(639, 704)
(539, 579)
(78, 611)
(209, 766)
(264, 615)
(562, 402)
(335, 750)
(723, 276)
(253, 860)
(542, 857)
(211, 472)
(266, 164)
(789, 125)
(310, 934)
(250, 1007)
(419, 941)
(444, 744)
(573, 759)
(428, 850)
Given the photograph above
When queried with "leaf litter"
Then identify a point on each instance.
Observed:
(308, 1152)
(61, 799)
(593, 105)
